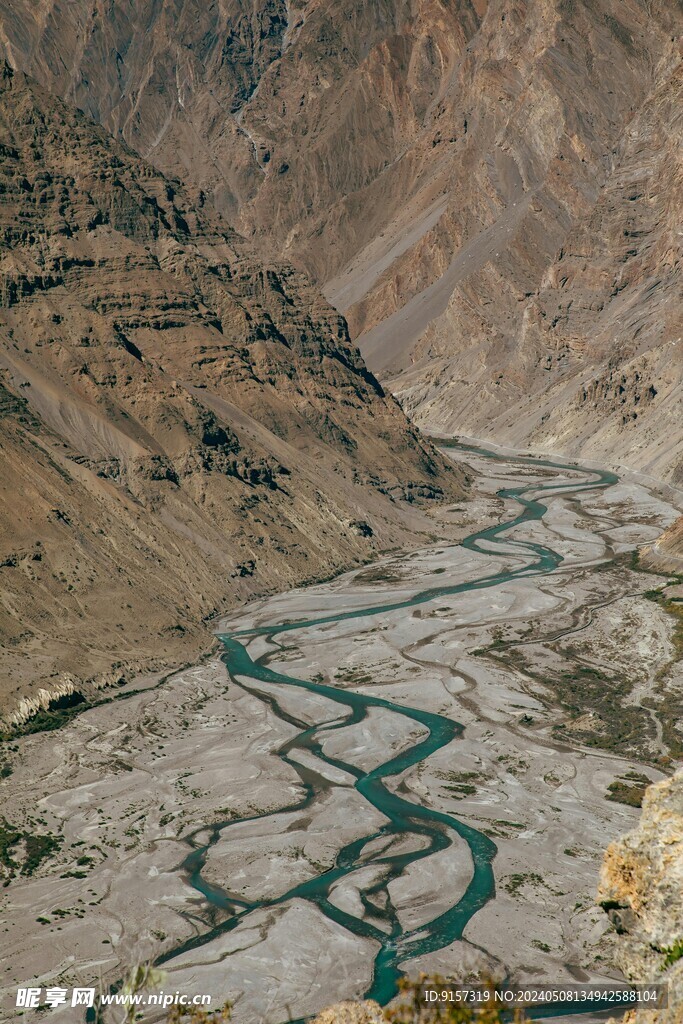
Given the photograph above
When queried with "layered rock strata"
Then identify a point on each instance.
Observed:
(183, 424)
(488, 189)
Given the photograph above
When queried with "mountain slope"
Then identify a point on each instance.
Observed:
(487, 189)
(666, 554)
(590, 361)
(183, 426)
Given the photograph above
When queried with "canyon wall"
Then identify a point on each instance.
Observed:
(183, 424)
(487, 189)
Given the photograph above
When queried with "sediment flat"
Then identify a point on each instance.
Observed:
(132, 788)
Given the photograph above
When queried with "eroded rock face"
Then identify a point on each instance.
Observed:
(591, 359)
(173, 410)
(641, 888)
(488, 189)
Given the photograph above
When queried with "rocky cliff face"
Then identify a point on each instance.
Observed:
(641, 888)
(293, 106)
(488, 189)
(183, 425)
(590, 358)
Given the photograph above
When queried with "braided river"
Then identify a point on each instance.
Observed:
(397, 946)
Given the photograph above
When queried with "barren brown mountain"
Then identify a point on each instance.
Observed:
(490, 190)
(183, 426)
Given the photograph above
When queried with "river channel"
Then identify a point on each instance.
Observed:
(397, 946)
(368, 780)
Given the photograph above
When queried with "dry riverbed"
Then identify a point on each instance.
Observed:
(558, 680)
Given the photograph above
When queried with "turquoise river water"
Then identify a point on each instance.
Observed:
(436, 830)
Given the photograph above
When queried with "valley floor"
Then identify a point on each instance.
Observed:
(188, 820)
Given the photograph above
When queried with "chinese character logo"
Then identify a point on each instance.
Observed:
(55, 997)
(28, 997)
(83, 997)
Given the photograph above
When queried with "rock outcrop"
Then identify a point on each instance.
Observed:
(349, 1012)
(183, 424)
(641, 888)
(488, 189)
(666, 554)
